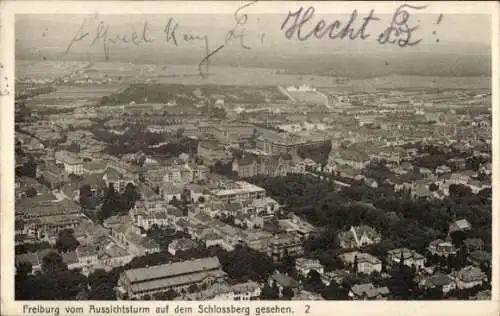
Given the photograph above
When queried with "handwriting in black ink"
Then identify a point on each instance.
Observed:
(169, 31)
(237, 32)
(399, 32)
(102, 35)
(334, 29)
(79, 35)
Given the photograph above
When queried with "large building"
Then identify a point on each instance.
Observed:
(268, 165)
(137, 283)
(230, 192)
(275, 143)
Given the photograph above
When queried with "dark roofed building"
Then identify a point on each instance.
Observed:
(368, 291)
(137, 283)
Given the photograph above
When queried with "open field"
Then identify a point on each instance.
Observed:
(73, 96)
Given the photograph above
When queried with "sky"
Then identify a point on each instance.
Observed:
(451, 43)
(455, 31)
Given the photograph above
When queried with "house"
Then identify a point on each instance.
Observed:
(472, 244)
(354, 158)
(442, 170)
(114, 256)
(337, 276)
(94, 166)
(439, 280)
(181, 245)
(297, 225)
(53, 175)
(484, 295)
(410, 257)
(362, 262)
(197, 192)
(169, 191)
(457, 163)
(460, 225)
(307, 296)
(371, 183)
(211, 151)
(304, 266)
(285, 244)
(246, 291)
(88, 233)
(368, 291)
(87, 256)
(266, 207)
(441, 248)
(70, 258)
(113, 177)
(210, 239)
(129, 237)
(283, 281)
(359, 236)
(253, 165)
(468, 277)
(31, 258)
(426, 172)
(236, 191)
(479, 258)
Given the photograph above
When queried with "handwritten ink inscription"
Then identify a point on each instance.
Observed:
(98, 32)
(298, 25)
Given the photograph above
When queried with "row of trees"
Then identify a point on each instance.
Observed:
(116, 203)
(402, 220)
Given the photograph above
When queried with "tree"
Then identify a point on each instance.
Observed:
(314, 282)
(53, 263)
(66, 241)
(74, 147)
(335, 291)
(86, 197)
(180, 132)
(193, 288)
(268, 293)
(129, 197)
(287, 293)
(433, 187)
(111, 203)
(31, 192)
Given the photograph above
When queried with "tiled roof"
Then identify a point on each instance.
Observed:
(31, 257)
(172, 269)
(285, 280)
(69, 257)
(470, 274)
(480, 255)
(474, 243)
(407, 253)
(462, 224)
(246, 287)
(85, 251)
(438, 279)
(183, 243)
